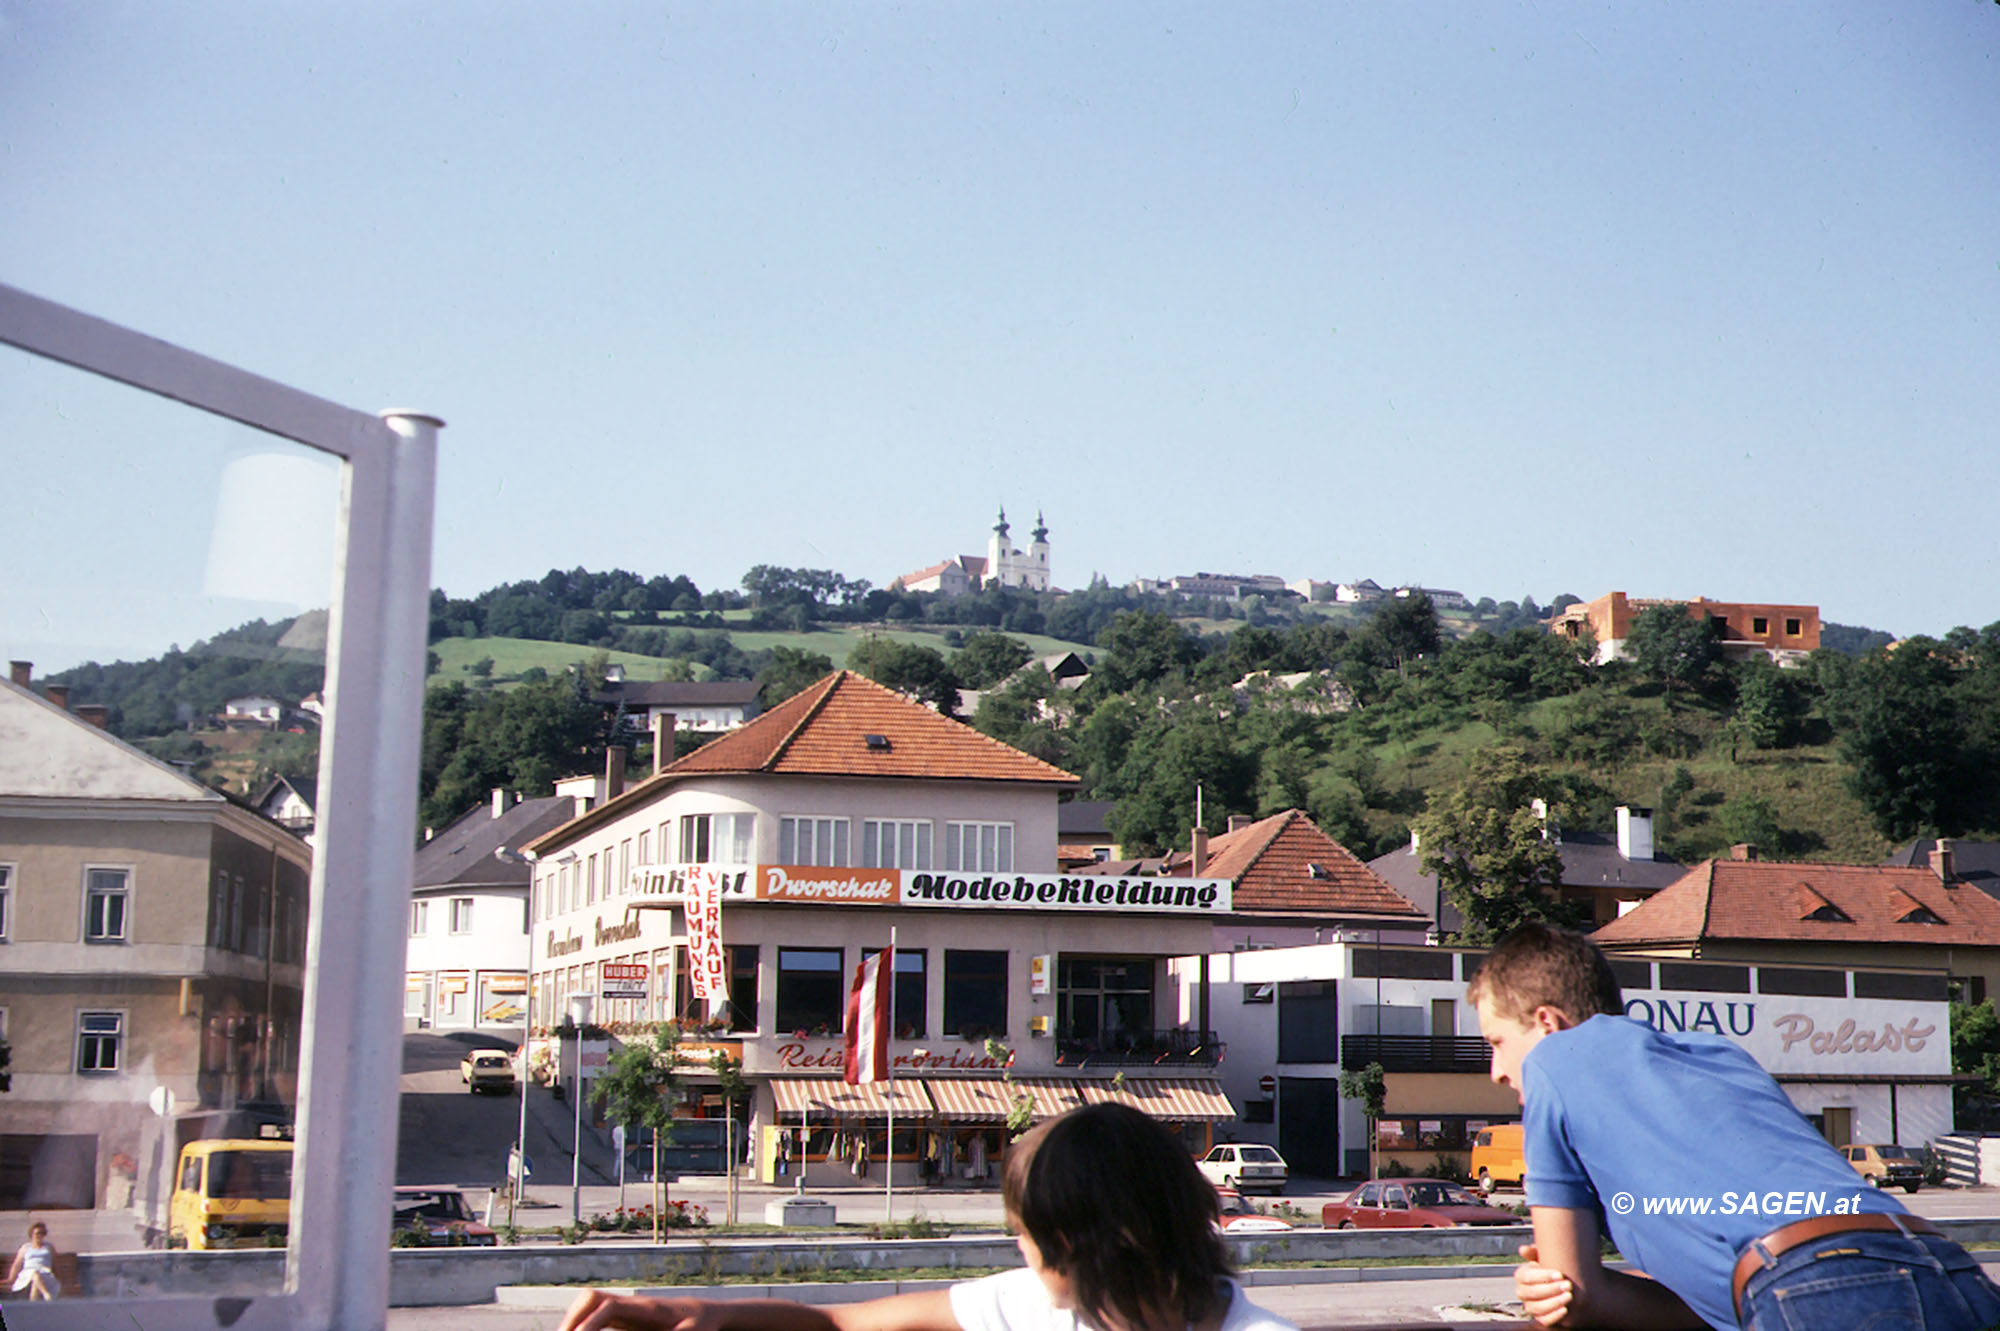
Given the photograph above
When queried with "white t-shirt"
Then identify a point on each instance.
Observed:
(1019, 1301)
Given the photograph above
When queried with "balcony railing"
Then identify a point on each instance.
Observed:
(1415, 1053)
(1140, 1049)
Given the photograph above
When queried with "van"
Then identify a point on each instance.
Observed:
(231, 1193)
(1496, 1157)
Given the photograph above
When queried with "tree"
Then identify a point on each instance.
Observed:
(1141, 646)
(1903, 734)
(922, 672)
(637, 1089)
(1404, 629)
(1493, 855)
(1672, 647)
(1750, 819)
(729, 1073)
(1975, 1049)
(790, 671)
(1369, 1085)
(988, 658)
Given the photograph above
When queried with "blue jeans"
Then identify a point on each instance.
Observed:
(1872, 1280)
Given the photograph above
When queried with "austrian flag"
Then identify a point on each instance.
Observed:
(869, 1007)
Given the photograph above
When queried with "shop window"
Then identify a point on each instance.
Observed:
(910, 1004)
(821, 841)
(975, 994)
(742, 1011)
(811, 997)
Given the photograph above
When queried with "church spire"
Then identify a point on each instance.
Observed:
(1000, 527)
(1041, 532)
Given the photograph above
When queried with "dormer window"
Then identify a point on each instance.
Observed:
(1831, 914)
(1921, 915)
(877, 743)
(1316, 870)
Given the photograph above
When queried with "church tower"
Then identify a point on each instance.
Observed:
(1038, 554)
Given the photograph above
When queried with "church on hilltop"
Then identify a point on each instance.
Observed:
(1001, 566)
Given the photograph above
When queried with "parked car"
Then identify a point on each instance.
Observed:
(1497, 1158)
(1411, 1203)
(487, 1070)
(439, 1218)
(1239, 1217)
(1245, 1166)
(1887, 1165)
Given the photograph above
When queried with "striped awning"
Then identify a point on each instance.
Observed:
(970, 1099)
(1178, 1099)
(1054, 1096)
(830, 1097)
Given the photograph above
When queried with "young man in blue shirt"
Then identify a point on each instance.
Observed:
(1706, 1177)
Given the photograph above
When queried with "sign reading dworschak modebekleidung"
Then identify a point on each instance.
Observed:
(951, 888)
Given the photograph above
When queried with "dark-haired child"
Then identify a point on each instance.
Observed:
(1115, 1223)
(1705, 1175)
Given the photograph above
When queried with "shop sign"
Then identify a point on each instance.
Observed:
(840, 887)
(621, 979)
(1041, 973)
(1088, 892)
(1791, 1034)
(798, 1056)
(708, 969)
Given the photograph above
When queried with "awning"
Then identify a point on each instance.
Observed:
(1054, 1096)
(970, 1099)
(1181, 1099)
(830, 1097)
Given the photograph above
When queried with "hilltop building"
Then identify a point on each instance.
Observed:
(1001, 566)
(1784, 633)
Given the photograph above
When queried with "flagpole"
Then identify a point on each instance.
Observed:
(889, 1139)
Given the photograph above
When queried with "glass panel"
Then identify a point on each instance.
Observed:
(190, 624)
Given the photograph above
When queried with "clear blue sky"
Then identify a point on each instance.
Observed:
(1517, 299)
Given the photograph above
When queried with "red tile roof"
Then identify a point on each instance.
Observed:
(1775, 901)
(823, 731)
(1272, 865)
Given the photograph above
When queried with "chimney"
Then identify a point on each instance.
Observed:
(1743, 850)
(1635, 833)
(22, 671)
(664, 724)
(502, 801)
(1198, 851)
(1416, 841)
(1944, 862)
(614, 772)
(94, 712)
(1239, 821)
(59, 695)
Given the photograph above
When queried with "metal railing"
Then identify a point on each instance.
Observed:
(1415, 1053)
(1138, 1049)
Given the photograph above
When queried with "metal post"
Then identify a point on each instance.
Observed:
(527, 1039)
(889, 1136)
(579, 1015)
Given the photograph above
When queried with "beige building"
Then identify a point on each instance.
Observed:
(154, 937)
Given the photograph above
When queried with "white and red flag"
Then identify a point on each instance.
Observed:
(870, 1013)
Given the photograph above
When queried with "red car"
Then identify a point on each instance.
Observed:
(1411, 1203)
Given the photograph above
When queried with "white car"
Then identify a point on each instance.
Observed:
(1246, 1167)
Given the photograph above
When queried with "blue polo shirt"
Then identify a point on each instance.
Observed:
(1683, 1146)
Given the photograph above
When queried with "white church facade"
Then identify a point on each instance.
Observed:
(1001, 566)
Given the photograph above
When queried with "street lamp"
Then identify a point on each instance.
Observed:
(579, 1017)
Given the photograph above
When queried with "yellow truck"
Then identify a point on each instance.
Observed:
(231, 1193)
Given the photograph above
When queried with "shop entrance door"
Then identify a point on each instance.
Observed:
(1309, 1125)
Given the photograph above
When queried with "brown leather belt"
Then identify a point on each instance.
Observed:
(1787, 1237)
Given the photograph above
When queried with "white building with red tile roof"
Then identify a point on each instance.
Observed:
(843, 814)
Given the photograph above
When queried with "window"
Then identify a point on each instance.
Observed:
(420, 918)
(975, 994)
(895, 844)
(716, 838)
(742, 962)
(1793, 628)
(6, 902)
(812, 841)
(1105, 1003)
(645, 847)
(461, 915)
(624, 868)
(590, 880)
(810, 994)
(106, 896)
(99, 1040)
(1759, 624)
(979, 847)
(909, 1001)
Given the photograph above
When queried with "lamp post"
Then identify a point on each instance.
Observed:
(579, 1017)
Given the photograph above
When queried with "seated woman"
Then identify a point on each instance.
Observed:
(1117, 1226)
